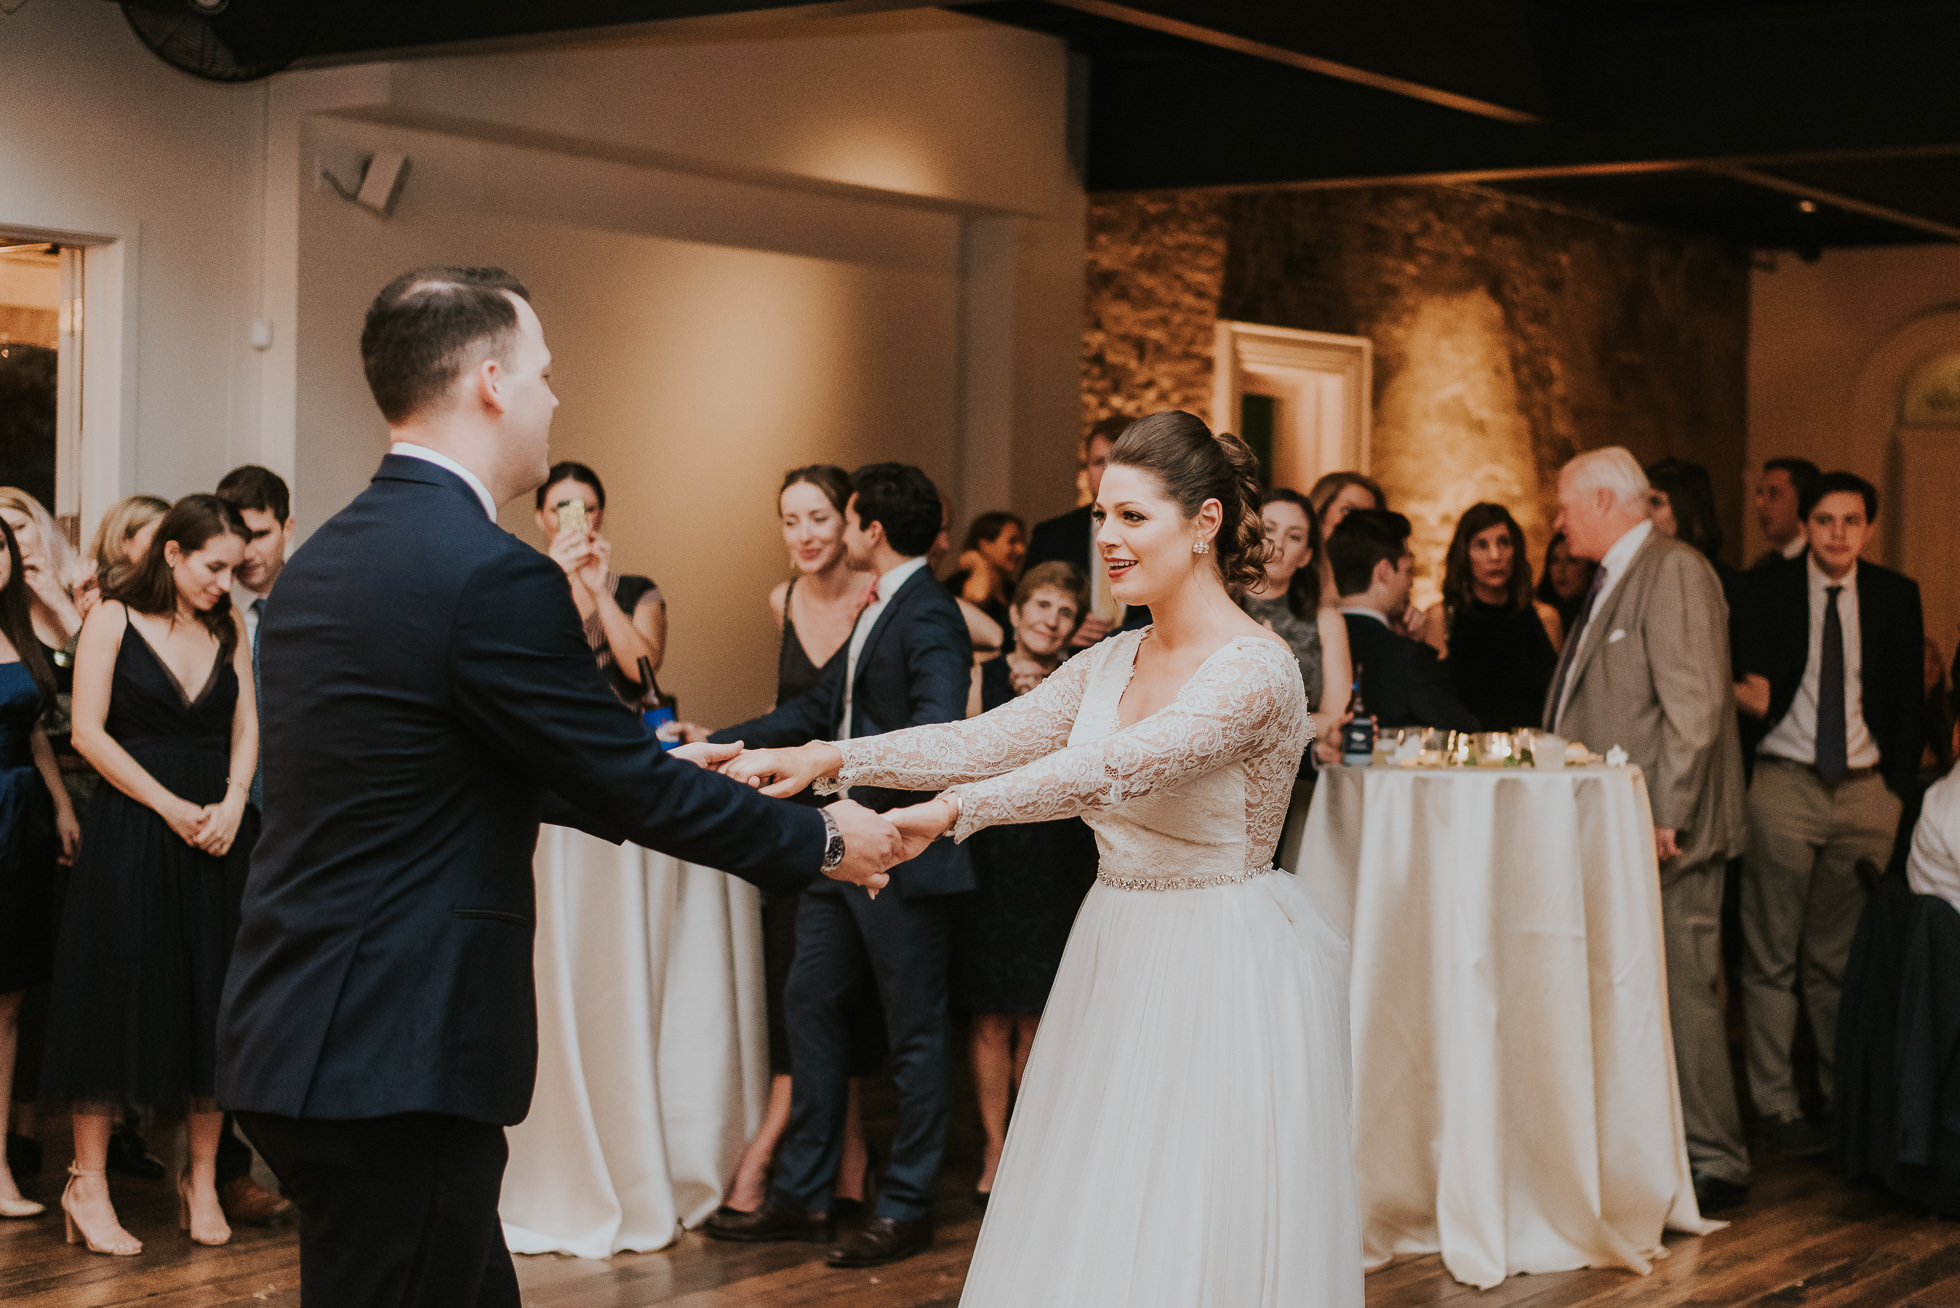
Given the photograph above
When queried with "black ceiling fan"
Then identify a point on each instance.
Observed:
(223, 40)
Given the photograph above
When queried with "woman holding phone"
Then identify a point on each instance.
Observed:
(625, 615)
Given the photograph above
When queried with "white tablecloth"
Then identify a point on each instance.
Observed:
(653, 1058)
(1515, 1103)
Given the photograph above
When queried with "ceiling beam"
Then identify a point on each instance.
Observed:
(1297, 51)
(1848, 203)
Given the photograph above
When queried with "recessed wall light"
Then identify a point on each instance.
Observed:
(1806, 206)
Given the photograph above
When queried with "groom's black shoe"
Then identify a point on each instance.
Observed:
(1714, 1195)
(772, 1221)
(882, 1240)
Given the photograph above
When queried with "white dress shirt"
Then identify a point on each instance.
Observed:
(1795, 737)
(1934, 865)
(1361, 611)
(1611, 569)
(887, 587)
(242, 598)
(1794, 546)
(444, 461)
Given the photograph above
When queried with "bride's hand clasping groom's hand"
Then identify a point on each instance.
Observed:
(871, 844)
(780, 773)
(921, 824)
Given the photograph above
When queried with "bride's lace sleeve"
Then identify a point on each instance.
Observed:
(941, 754)
(1243, 702)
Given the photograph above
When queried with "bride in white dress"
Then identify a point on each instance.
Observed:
(1181, 1138)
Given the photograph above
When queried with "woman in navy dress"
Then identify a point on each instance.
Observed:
(815, 611)
(1028, 880)
(37, 825)
(164, 711)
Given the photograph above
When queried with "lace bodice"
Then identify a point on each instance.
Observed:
(1194, 794)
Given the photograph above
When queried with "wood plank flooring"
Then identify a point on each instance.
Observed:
(1805, 1238)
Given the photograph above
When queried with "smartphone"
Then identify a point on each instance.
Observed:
(571, 515)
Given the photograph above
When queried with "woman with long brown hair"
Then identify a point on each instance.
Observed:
(1499, 644)
(37, 824)
(164, 711)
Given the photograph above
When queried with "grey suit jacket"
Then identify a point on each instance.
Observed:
(1652, 676)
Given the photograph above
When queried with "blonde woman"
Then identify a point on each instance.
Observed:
(122, 538)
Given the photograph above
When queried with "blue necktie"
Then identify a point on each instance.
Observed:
(257, 793)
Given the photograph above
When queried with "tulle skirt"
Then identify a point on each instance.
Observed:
(1181, 1138)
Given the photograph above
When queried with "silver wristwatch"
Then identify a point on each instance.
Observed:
(833, 845)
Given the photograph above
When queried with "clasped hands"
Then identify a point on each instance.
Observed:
(873, 842)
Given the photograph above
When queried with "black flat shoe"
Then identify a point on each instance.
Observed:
(882, 1240)
(1714, 1195)
(770, 1222)
(24, 1155)
(130, 1156)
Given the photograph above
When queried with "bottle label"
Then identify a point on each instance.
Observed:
(1358, 741)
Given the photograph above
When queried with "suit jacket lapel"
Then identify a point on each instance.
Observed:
(884, 624)
(1599, 627)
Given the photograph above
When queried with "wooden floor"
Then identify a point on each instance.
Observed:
(1804, 1238)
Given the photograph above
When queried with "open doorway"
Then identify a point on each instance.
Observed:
(1300, 399)
(40, 372)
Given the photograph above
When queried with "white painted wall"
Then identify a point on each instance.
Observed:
(825, 240)
(1831, 346)
(100, 138)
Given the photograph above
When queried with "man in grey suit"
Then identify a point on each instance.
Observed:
(1646, 667)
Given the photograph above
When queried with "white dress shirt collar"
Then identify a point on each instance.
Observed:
(1622, 551)
(441, 460)
(1363, 611)
(1794, 546)
(889, 583)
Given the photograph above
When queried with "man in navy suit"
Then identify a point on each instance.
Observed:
(1402, 681)
(428, 694)
(910, 662)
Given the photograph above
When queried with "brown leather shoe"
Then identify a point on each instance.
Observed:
(772, 1221)
(881, 1240)
(245, 1200)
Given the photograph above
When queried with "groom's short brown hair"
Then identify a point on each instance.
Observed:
(427, 327)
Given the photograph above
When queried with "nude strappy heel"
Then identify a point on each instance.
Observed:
(184, 1215)
(127, 1247)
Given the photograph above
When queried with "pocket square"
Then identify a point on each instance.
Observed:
(1619, 633)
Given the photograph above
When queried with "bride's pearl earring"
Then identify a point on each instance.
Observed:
(1201, 547)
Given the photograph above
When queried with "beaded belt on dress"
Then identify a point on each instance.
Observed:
(1204, 882)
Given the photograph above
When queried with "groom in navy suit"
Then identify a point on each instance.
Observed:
(910, 662)
(429, 695)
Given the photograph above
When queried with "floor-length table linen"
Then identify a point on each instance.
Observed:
(1515, 1101)
(653, 1061)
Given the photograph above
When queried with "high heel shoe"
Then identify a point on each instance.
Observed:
(127, 1246)
(184, 1215)
(21, 1208)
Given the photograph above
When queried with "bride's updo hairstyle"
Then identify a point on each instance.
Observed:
(1193, 466)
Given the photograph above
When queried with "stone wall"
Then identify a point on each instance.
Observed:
(1507, 336)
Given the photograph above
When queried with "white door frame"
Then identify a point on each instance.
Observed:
(1326, 381)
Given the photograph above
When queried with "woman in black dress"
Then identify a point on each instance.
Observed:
(164, 711)
(815, 611)
(1499, 645)
(1029, 880)
(1564, 581)
(625, 614)
(37, 824)
(990, 563)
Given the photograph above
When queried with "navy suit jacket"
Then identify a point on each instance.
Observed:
(916, 667)
(1772, 636)
(1402, 680)
(1069, 538)
(427, 684)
